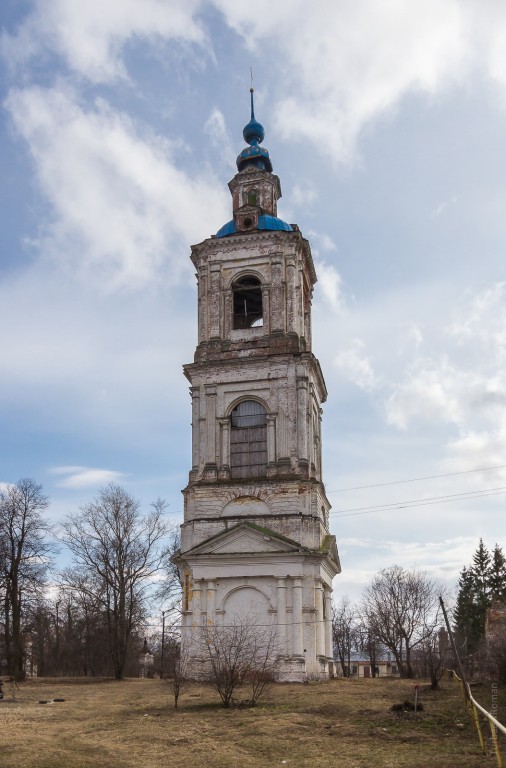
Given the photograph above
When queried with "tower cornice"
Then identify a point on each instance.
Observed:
(211, 246)
(214, 368)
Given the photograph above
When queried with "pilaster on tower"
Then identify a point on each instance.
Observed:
(256, 513)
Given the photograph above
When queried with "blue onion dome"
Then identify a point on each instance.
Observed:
(254, 155)
(253, 132)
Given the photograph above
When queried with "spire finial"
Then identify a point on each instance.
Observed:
(252, 91)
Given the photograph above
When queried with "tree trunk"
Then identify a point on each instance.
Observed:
(17, 641)
(409, 669)
(7, 632)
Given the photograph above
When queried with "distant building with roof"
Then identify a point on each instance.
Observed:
(360, 665)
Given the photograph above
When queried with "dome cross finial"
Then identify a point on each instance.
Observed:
(252, 91)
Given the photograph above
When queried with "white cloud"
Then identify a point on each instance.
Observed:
(354, 364)
(464, 386)
(92, 36)
(490, 30)
(85, 477)
(330, 286)
(338, 80)
(322, 241)
(122, 208)
(484, 322)
(474, 449)
(107, 366)
(216, 128)
(416, 335)
(429, 392)
(353, 61)
(303, 195)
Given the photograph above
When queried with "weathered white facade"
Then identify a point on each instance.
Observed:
(255, 541)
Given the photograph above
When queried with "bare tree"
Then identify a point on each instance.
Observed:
(240, 653)
(344, 633)
(119, 551)
(401, 609)
(180, 675)
(168, 591)
(433, 655)
(84, 597)
(24, 561)
(266, 661)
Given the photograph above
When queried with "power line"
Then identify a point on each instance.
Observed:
(416, 501)
(419, 502)
(416, 479)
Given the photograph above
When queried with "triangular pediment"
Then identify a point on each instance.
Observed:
(329, 546)
(247, 538)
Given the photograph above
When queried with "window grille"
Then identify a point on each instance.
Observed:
(248, 440)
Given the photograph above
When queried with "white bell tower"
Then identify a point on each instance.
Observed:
(255, 540)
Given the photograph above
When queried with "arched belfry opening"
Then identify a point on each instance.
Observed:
(248, 440)
(248, 309)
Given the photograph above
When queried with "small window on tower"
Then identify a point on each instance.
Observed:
(252, 197)
(248, 312)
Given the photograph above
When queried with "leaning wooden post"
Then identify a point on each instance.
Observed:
(465, 686)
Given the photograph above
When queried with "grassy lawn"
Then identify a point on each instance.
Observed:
(345, 723)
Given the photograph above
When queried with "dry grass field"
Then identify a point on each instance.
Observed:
(345, 723)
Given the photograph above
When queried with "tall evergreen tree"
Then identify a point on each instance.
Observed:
(479, 584)
(481, 569)
(467, 617)
(498, 575)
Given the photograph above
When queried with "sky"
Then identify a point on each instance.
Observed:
(386, 123)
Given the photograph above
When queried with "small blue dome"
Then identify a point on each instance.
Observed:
(265, 222)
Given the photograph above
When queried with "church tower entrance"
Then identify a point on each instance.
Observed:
(255, 542)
